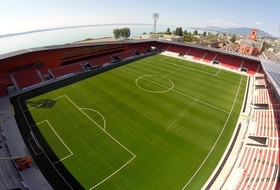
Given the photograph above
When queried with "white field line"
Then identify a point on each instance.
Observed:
(103, 129)
(71, 153)
(104, 121)
(164, 58)
(112, 173)
(30, 127)
(218, 72)
(190, 97)
(168, 88)
(112, 138)
(188, 68)
(218, 136)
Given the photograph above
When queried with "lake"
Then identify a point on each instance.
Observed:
(69, 35)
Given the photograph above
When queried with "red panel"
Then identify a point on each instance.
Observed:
(164, 46)
(192, 52)
(253, 68)
(229, 61)
(68, 69)
(179, 49)
(27, 78)
(43, 71)
(199, 55)
(124, 55)
(209, 57)
(260, 71)
(139, 49)
(246, 64)
(101, 60)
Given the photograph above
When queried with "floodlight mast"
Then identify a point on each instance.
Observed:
(155, 18)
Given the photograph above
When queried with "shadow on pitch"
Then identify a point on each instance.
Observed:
(43, 103)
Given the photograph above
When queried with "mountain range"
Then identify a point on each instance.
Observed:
(239, 31)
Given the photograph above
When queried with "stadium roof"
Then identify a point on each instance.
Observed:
(272, 70)
(24, 51)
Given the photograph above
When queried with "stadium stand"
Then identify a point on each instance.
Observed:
(261, 96)
(163, 47)
(253, 68)
(23, 81)
(67, 70)
(229, 62)
(100, 60)
(124, 55)
(209, 57)
(192, 52)
(178, 49)
(138, 48)
(199, 55)
(260, 71)
(246, 64)
(146, 47)
(260, 164)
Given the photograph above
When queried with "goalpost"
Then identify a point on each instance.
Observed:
(34, 144)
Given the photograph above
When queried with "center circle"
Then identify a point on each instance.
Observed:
(154, 83)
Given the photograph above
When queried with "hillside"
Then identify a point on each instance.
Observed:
(239, 31)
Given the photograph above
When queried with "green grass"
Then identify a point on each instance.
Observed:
(147, 125)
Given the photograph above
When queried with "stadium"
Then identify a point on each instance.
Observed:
(140, 114)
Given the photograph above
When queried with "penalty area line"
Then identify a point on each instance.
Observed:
(103, 129)
(71, 153)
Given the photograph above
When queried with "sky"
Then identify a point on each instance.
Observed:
(19, 16)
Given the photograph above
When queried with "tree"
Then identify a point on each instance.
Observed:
(180, 31)
(188, 37)
(194, 39)
(116, 33)
(176, 32)
(126, 33)
(210, 37)
(265, 46)
(168, 32)
(195, 32)
(185, 32)
(123, 33)
(232, 39)
(204, 34)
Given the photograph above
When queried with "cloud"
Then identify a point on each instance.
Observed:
(231, 24)
(219, 22)
(259, 23)
(233, 17)
(214, 20)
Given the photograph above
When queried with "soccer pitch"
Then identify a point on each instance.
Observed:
(156, 123)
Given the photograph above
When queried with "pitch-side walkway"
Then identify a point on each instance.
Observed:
(228, 169)
(231, 176)
(30, 178)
